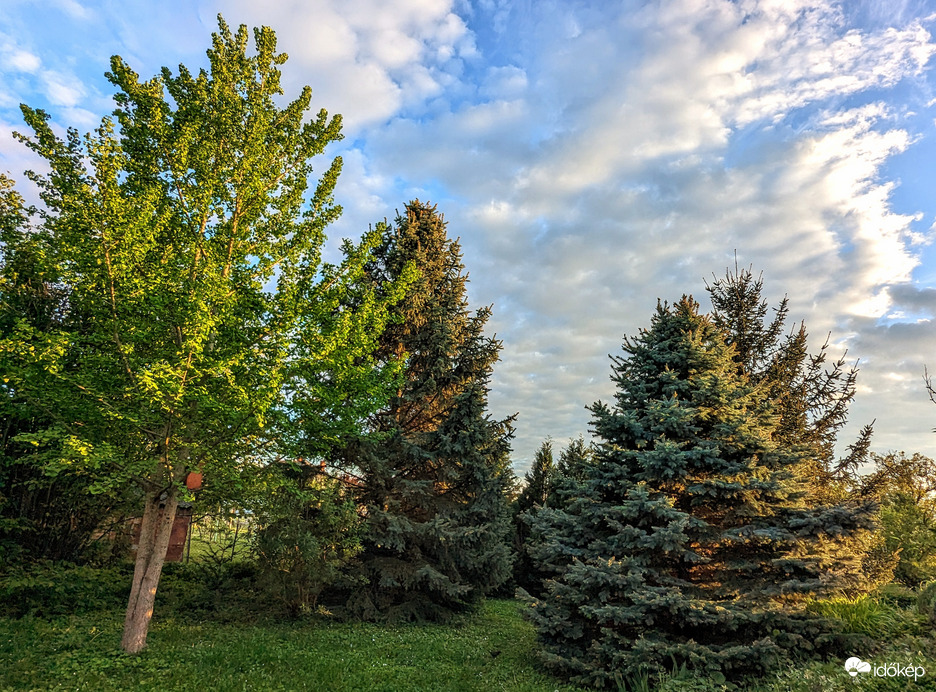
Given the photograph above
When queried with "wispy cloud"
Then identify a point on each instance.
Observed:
(20, 60)
(62, 90)
(616, 176)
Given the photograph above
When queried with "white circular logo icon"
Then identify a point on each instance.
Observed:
(855, 665)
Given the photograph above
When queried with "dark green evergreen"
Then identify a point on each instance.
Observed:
(811, 394)
(538, 479)
(689, 539)
(433, 484)
(536, 490)
(572, 467)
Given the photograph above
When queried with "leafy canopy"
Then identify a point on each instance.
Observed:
(190, 246)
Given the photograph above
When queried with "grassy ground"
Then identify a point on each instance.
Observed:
(489, 650)
(60, 630)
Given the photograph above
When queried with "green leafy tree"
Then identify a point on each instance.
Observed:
(433, 484)
(689, 539)
(42, 516)
(183, 233)
(906, 488)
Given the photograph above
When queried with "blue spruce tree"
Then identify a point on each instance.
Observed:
(690, 538)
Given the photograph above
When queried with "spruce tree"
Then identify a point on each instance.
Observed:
(689, 539)
(811, 395)
(537, 479)
(811, 392)
(572, 467)
(536, 490)
(433, 483)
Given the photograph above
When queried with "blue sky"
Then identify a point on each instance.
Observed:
(593, 157)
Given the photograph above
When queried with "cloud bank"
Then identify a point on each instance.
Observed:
(594, 157)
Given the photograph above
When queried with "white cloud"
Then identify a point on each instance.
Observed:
(74, 9)
(504, 83)
(613, 176)
(368, 59)
(21, 60)
(61, 89)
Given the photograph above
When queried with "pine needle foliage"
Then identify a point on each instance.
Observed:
(536, 491)
(434, 481)
(538, 479)
(689, 539)
(811, 391)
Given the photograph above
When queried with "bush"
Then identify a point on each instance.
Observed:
(225, 591)
(909, 527)
(897, 595)
(305, 540)
(926, 602)
(48, 589)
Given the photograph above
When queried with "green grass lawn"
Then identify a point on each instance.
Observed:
(213, 632)
(489, 650)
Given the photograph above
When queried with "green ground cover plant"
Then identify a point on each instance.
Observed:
(490, 650)
(216, 630)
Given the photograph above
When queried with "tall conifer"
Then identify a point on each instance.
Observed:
(538, 479)
(689, 539)
(433, 483)
(536, 490)
(811, 393)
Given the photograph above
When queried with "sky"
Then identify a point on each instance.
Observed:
(593, 157)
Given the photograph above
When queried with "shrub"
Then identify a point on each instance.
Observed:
(49, 589)
(909, 527)
(225, 591)
(926, 602)
(303, 543)
(898, 595)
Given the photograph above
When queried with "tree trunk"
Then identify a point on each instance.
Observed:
(158, 516)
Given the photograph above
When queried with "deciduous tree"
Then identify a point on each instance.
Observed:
(183, 230)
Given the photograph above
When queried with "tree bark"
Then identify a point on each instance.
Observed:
(158, 515)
